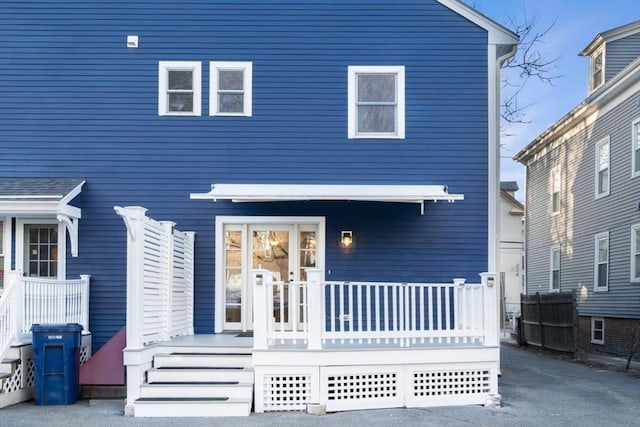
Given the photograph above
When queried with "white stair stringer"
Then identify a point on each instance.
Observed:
(197, 385)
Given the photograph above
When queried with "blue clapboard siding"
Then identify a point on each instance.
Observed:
(620, 53)
(77, 102)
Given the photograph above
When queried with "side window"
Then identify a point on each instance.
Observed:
(556, 180)
(597, 330)
(179, 88)
(635, 154)
(597, 69)
(554, 279)
(376, 102)
(635, 253)
(230, 89)
(601, 267)
(603, 167)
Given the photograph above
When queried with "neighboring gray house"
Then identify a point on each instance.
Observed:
(583, 197)
(511, 250)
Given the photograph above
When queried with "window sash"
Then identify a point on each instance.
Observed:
(597, 331)
(603, 172)
(179, 90)
(231, 88)
(555, 190)
(635, 253)
(636, 148)
(601, 275)
(597, 70)
(555, 269)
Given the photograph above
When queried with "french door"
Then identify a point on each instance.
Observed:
(284, 248)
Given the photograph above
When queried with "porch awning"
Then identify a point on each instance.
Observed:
(43, 197)
(306, 192)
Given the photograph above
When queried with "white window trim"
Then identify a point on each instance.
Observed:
(593, 321)
(556, 171)
(222, 221)
(600, 50)
(247, 68)
(353, 70)
(163, 82)
(635, 146)
(634, 275)
(62, 243)
(604, 141)
(601, 236)
(551, 252)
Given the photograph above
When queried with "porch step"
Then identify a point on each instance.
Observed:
(202, 360)
(199, 375)
(192, 407)
(228, 389)
(8, 366)
(198, 384)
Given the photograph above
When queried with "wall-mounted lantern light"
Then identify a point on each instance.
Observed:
(346, 238)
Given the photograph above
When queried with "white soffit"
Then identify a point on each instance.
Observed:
(307, 192)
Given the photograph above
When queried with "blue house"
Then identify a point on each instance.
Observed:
(335, 165)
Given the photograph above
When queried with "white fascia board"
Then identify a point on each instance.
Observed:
(24, 207)
(307, 192)
(497, 34)
(72, 194)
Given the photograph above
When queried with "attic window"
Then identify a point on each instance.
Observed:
(179, 91)
(597, 69)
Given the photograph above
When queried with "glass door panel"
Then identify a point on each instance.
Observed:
(270, 251)
(233, 277)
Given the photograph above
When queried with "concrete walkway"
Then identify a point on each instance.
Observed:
(537, 390)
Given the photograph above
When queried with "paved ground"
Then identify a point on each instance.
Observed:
(537, 390)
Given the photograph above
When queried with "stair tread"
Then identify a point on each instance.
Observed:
(198, 384)
(14, 360)
(190, 399)
(203, 368)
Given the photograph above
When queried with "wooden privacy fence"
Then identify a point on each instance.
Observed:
(550, 321)
(159, 279)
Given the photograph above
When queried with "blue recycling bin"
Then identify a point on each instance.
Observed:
(57, 362)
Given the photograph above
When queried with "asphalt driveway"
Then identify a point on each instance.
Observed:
(536, 390)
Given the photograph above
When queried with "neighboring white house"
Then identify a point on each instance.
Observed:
(511, 249)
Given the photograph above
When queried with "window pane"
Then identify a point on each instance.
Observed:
(556, 279)
(602, 276)
(597, 335)
(603, 250)
(376, 118)
(180, 80)
(33, 269)
(181, 102)
(603, 157)
(231, 103)
(556, 202)
(231, 80)
(603, 181)
(376, 88)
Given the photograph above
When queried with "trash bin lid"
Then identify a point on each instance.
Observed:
(56, 327)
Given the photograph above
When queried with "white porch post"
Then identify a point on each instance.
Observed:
(490, 286)
(14, 280)
(134, 217)
(85, 300)
(191, 236)
(167, 318)
(315, 308)
(262, 284)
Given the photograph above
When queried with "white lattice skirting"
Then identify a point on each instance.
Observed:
(343, 388)
(20, 386)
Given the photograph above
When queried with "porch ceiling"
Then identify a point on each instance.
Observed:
(306, 192)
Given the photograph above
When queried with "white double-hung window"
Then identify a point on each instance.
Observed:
(635, 138)
(596, 69)
(601, 267)
(554, 279)
(376, 102)
(230, 89)
(179, 88)
(603, 167)
(556, 180)
(635, 253)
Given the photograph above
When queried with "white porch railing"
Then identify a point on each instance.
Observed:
(29, 300)
(319, 314)
(159, 279)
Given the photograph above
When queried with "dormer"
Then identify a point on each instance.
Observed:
(610, 52)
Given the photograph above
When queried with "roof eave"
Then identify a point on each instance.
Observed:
(497, 34)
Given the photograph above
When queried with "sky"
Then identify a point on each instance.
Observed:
(575, 23)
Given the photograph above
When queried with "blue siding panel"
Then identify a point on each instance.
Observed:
(77, 102)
